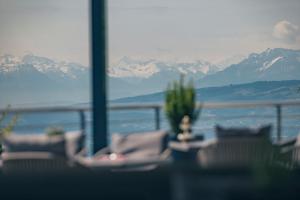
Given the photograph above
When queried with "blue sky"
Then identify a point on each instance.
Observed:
(190, 29)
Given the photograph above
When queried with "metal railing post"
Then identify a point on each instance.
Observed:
(279, 121)
(157, 118)
(82, 121)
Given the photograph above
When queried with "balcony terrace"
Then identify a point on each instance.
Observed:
(173, 176)
(228, 162)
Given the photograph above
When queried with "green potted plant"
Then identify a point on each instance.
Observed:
(180, 102)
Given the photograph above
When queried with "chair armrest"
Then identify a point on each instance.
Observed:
(103, 151)
(207, 147)
(208, 143)
(286, 142)
(165, 154)
(207, 152)
(285, 146)
(82, 153)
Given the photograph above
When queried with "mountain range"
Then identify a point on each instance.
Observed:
(270, 65)
(261, 90)
(32, 78)
(130, 77)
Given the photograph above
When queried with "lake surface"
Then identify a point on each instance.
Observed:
(130, 121)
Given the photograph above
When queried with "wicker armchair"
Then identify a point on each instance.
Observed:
(34, 154)
(290, 152)
(236, 152)
(33, 163)
(238, 147)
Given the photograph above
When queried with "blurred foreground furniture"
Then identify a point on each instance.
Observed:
(42, 167)
(241, 163)
(290, 152)
(136, 151)
(193, 183)
(238, 147)
(25, 154)
(25, 163)
(295, 152)
(171, 181)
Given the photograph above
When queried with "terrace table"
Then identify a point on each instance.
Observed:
(123, 164)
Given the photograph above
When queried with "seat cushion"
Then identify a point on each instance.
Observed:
(139, 145)
(35, 143)
(262, 132)
(69, 144)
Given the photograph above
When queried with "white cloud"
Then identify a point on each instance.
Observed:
(286, 31)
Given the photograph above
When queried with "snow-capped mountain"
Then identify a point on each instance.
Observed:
(130, 67)
(130, 77)
(11, 64)
(37, 79)
(270, 65)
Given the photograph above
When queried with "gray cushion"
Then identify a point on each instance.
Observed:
(35, 143)
(68, 145)
(262, 132)
(139, 145)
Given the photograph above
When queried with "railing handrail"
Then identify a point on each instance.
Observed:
(247, 104)
(210, 105)
(157, 107)
(44, 109)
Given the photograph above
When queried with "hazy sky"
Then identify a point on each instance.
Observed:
(185, 29)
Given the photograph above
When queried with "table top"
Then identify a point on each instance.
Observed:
(115, 164)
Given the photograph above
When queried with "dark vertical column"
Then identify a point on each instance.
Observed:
(98, 63)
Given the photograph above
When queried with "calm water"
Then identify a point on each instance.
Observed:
(143, 120)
